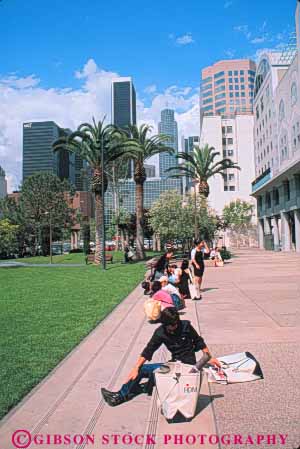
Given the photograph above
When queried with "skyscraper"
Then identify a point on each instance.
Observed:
(228, 87)
(3, 184)
(226, 122)
(123, 98)
(187, 146)
(168, 126)
(123, 114)
(38, 155)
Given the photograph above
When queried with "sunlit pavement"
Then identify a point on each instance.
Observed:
(252, 303)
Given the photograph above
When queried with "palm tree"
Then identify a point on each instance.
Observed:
(145, 147)
(200, 166)
(88, 142)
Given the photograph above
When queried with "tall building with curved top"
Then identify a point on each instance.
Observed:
(276, 186)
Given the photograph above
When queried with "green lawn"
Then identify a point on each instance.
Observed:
(45, 312)
(75, 258)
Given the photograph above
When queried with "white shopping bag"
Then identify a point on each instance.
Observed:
(236, 368)
(178, 390)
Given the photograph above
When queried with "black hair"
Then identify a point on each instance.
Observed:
(169, 251)
(173, 266)
(197, 241)
(156, 286)
(169, 316)
(185, 264)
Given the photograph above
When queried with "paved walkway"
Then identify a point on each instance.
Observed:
(12, 264)
(250, 304)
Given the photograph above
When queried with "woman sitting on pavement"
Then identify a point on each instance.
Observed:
(162, 264)
(184, 279)
(162, 296)
(166, 286)
(173, 274)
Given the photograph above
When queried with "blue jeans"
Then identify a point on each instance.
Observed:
(133, 387)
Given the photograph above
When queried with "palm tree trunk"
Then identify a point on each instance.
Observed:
(139, 202)
(98, 228)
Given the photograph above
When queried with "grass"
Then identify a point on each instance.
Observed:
(45, 312)
(74, 258)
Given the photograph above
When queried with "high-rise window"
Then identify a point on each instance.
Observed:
(207, 93)
(217, 75)
(206, 80)
(236, 72)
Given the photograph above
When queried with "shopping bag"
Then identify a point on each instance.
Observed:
(178, 390)
(152, 309)
(235, 368)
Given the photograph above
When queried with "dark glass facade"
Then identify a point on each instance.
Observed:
(123, 103)
(168, 126)
(38, 155)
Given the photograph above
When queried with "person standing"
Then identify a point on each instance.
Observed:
(197, 256)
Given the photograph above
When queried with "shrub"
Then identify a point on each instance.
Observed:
(225, 254)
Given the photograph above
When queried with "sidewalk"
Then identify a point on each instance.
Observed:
(250, 304)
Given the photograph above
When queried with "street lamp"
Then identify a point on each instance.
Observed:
(195, 209)
(103, 210)
(50, 231)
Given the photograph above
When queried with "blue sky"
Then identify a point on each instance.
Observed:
(54, 38)
(58, 57)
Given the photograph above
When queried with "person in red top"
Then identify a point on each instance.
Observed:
(162, 296)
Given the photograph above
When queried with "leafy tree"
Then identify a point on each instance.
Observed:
(145, 147)
(44, 203)
(237, 215)
(8, 238)
(89, 142)
(237, 218)
(172, 217)
(202, 165)
(10, 209)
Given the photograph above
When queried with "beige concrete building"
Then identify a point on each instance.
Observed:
(232, 136)
(277, 147)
